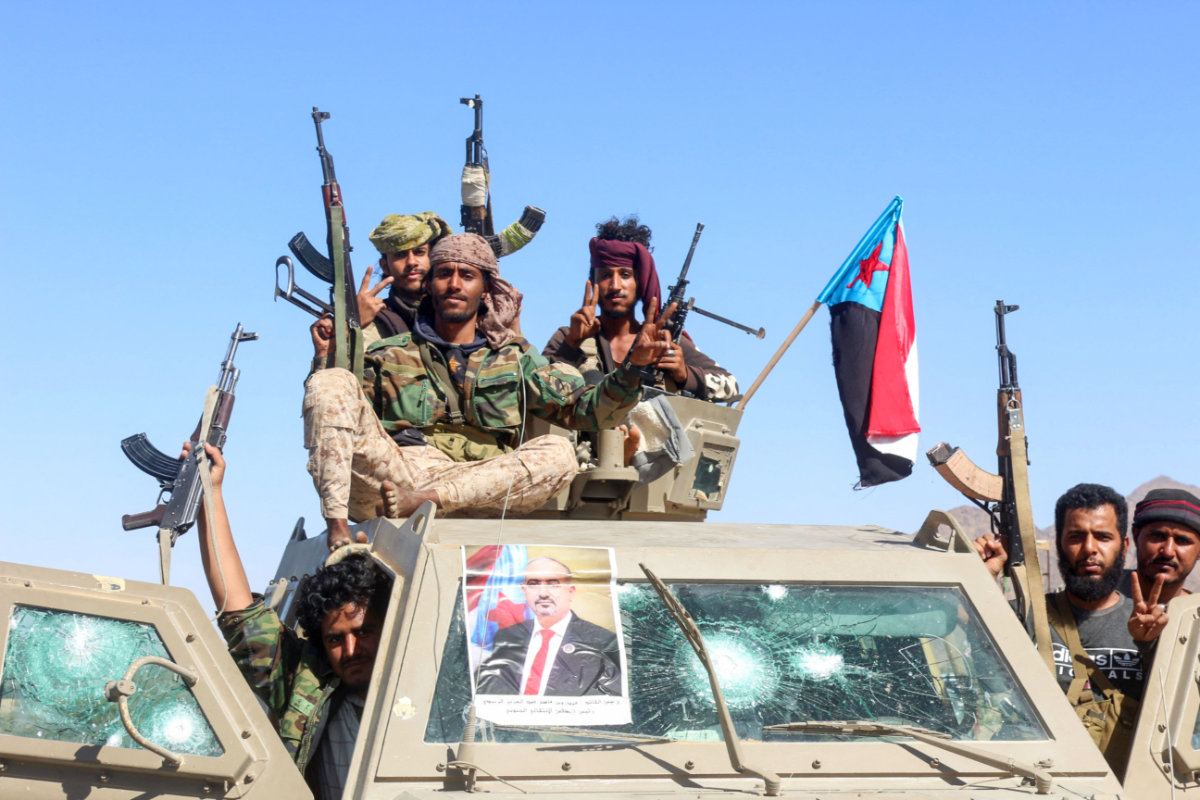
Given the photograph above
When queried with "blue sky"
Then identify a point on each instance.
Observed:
(158, 157)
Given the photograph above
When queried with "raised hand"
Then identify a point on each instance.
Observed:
(991, 551)
(369, 302)
(652, 341)
(1149, 616)
(584, 324)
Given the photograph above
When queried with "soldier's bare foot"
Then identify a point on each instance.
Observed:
(633, 437)
(339, 533)
(401, 503)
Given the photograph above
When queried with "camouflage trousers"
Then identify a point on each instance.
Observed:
(350, 456)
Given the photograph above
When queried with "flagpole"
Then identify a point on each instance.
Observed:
(779, 354)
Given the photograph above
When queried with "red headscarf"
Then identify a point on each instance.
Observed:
(610, 253)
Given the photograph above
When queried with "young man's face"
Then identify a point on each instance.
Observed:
(457, 290)
(350, 635)
(617, 289)
(1091, 552)
(407, 269)
(1166, 548)
(548, 591)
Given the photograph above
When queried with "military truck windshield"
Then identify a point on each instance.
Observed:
(56, 665)
(907, 655)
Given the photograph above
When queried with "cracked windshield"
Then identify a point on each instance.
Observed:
(56, 666)
(912, 655)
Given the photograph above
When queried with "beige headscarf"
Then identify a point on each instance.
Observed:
(502, 305)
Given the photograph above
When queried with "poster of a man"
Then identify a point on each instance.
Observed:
(545, 635)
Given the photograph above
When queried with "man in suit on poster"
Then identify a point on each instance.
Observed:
(556, 653)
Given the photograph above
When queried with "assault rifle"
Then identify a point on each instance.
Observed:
(334, 269)
(180, 479)
(1004, 495)
(476, 209)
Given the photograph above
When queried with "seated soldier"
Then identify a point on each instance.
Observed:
(622, 274)
(438, 414)
(403, 242)
(314, 685)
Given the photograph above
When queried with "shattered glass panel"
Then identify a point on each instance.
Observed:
(913, 655)
(56, 666)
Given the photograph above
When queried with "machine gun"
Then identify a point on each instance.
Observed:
(674, 324)
(335, 269)
(181, 480)
(1004, 495)
(476, 209)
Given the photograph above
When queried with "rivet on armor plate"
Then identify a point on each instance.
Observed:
(566, 767)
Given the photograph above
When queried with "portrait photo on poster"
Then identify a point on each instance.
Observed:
(544, 635)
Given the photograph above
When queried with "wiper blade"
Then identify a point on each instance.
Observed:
(696, 639)
(1041, 778)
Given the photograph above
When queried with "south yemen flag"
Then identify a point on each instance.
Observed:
(875, 350)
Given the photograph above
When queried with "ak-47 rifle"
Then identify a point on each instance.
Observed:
(476, 209)
(334, 269)
(181, 480)
(1004, 495)
(650, 374)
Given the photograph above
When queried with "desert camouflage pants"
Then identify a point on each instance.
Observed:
(350, 455)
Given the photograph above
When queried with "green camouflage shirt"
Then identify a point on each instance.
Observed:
(405, 379)
(289, 674)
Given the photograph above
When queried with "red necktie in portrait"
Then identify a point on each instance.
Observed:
(539, 663)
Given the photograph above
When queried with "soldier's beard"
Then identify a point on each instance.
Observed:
(1090, 589)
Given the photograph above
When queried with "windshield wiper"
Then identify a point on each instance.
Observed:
(1040, 777)
(692, 633)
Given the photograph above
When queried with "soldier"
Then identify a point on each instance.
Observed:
(404, 243)
(314, 686)
(622, 275)
(439, 411)
(1166, 531)
(1090, 522)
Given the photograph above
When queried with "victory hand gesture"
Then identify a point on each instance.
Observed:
(1149, 616)
(584, 324)
(653, 340)
(369, 302)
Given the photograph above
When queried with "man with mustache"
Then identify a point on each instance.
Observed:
(404, 243)
(556, 652)
(622, 276)
(315, 685)
(1089, 523)
(1166, 532)
(439, 413)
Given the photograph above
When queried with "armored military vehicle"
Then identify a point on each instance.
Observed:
(790, 660)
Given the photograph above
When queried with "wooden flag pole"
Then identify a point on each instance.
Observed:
(778, 354)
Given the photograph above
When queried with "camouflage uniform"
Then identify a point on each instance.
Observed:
(706, 379)
(288, 673)
(472, 460)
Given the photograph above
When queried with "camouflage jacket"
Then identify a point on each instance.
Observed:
(287, 672)
(706, 379)
(405, 378)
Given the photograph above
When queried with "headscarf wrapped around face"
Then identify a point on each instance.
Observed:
(611, 253)
(502, 304)
(400, 232)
